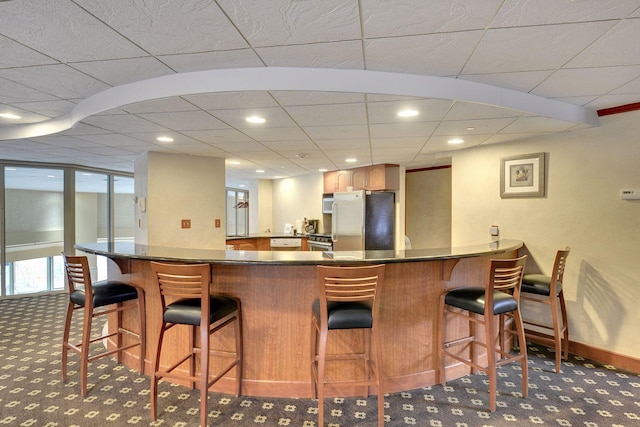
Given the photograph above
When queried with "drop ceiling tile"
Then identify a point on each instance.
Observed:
(151, 138)
(107, 151)
(623, 36)
(508, 137)
(275, 117)
(61, 81)
(188, 62)
(342, 54)
(162, 105)
(524, 13)
(441, 143)
(232, 100)
(112, 140)
(536, 124)
(586, 81)
(483, 126)
(296, 147)
(185, 120)
(393, 155)
(387, 112)
(384, 19)
(291, 98)
(170, 26)
(433, 54)
(83, 129)
(333, 144)
(14, 54)
(240, 147)
(218, 135)
(548, 47)
(633, 87)
(48, 108)
(63, 30)
(323, 115)
(286, 22)
(275, 134)
(391, 130)
(613, 100)
(398, 142)
(198, 150)
(337, 132)
(12, 92)
(121, 71)
(124, 123)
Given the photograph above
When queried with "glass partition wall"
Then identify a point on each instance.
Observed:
(46, 211)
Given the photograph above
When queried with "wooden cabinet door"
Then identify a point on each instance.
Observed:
(330, 182)
(359, 178)
(344, 180)
(383, 177)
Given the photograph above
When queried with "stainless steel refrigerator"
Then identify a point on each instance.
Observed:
(362, 221)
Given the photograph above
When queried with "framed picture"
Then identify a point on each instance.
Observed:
(522, 176)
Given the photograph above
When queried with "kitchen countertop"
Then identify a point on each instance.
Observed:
(268, 236)
(136, 251)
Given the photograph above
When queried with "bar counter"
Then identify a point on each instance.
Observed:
(276, 290)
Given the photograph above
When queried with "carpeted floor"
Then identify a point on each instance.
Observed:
(32, 394)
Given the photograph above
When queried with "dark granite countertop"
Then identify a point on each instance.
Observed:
(267, 235)
(136, 251)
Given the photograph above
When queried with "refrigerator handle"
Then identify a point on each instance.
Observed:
(334, 213)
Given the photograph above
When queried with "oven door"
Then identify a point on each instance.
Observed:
(319, 246)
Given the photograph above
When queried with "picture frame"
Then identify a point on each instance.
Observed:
(522, 176)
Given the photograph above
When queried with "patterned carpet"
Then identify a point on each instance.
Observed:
(32, 394)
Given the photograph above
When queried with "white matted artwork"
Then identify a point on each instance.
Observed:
(522, 176)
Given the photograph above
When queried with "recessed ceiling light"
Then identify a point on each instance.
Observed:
(408, 113)
(164, 139)
(456, 141)
(322, 170)
(234, 162)
(351, 160)
(259, 170)
(471, 128)
(10, 116)
(255, 119)
(241, 185)
(302, 155)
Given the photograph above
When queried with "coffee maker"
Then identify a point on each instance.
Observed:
(311, 226)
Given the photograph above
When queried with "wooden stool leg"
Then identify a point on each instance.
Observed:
(65, 339)
(154, 378)
(565, 325)
(557, 338)
(490, 337)
(440, 373)
(204, 373)
(375, 331)
(314, 354)
(143, 330)
(322, 349)
(238, 333)
(84, 353)
(517, 317)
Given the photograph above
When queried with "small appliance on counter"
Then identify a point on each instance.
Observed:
(311, 226)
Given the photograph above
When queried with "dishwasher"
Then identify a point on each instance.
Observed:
(286, 244)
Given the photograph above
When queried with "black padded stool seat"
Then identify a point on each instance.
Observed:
(538, 284)
(105, 293)
(349, 299)
(87, 296)
(188, 311)
(186, 300)
(346, 315)
(500, 296)
(471, 298)
(543, 289)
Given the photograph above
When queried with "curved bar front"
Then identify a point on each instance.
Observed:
(276, 290)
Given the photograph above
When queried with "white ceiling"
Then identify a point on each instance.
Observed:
(64, 62)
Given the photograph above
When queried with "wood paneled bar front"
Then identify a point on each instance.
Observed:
(276, 290)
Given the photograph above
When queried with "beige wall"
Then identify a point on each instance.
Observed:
(180, 187)
(298, 197)
(428, 208)
(585, 171)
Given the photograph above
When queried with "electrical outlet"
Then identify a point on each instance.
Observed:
(186, 223)
(217, 222)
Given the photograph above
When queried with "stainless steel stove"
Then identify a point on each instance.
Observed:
(320, 242)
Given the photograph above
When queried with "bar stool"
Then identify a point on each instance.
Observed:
(83, 294)
(185, 299)
(548, 291)
(498, 298)
(348, 300)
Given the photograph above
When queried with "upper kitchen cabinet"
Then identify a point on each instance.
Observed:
(376, 178)
(337, 181)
